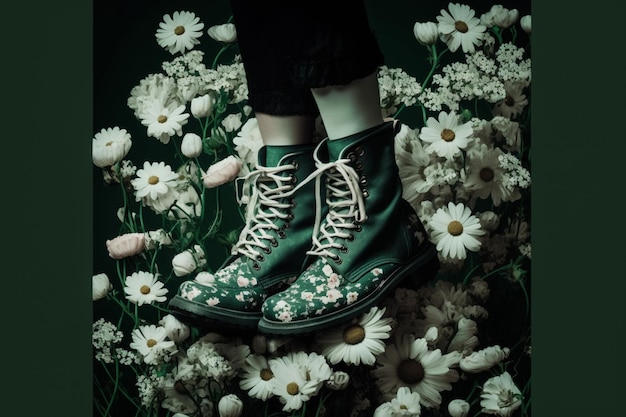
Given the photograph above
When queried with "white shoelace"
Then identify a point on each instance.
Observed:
(346, 207)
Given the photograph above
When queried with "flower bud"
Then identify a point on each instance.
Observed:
(426, 33)
(458, 408)
(222, 172)
(205, 277)
(191, 146)
(226, 32)
(525, 23)
(202, 106)
(100, 286)
(110, 146)
(504, 17)
(230, 406)
(126, 245)
(184, 264)
(176, 330)
(338, 381)
(483, 359)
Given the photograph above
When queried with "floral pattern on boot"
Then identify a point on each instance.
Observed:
(320, 291)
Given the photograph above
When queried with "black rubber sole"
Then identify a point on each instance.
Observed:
(423, 267)
(213, 318)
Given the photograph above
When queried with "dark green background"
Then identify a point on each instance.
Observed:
(50, 221)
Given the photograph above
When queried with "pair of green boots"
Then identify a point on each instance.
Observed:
(328, 235)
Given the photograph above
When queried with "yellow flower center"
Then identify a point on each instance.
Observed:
(447, 135)
(486, 174)
(153, 179)
(144, 289)
(162, 118)
(461, 26)
(403, 407)
(151, 342)
(410, 371)
(109, 143)
(354, 334)
(292, 388)
(455, 228)
(266, 374)
(509, 101)
(179, 30)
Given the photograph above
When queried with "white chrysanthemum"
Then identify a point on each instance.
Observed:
(458, 408)
(144, 288)
(179, 32)
(176, 329)
(110, 146)
(151, 342)
(290, 383)
(164, 122)
(454, 230)
(154, 181)
(484, 359)
(412, 161)
(411, 364)
(500, 396)
(256, 377)
(446, 137)
(100, 286)
(359, 341)
(460, 27)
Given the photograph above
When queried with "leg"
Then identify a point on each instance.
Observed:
(285, 130)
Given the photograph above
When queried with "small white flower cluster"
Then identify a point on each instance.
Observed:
(188, 71)
(119, 173)
(396, 87)
(148, 387)
(515, 175)
(105, 336)
(228, 78)
(511, 64)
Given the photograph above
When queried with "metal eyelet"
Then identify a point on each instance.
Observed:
(343, 249)
(357, 226)
(293, 203)
(293, 179)
(350, 238)
(366, 193)
(363, 180)
(260, 258)
(337, 260)
(273, 242)
(267, 250)
(281, 234)
(295, 165)
(358, 166)
(359, 151)
(256, 266)
(286, 226)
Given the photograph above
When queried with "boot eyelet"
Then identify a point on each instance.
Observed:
(337, 260)
(260, 258)
(358, 166)
(366, 193)
(281, 234)
(295, 165)
(363, 180)
(286, 226)
(293, 203)
(273, 242)
(256, 266)
(293, 179)
(350, 238)
(357, 227)
(359, 151)
(267, 250)
(351, 156)
(343, 249)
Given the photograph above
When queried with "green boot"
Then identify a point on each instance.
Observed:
(370, 241)
(271, 248)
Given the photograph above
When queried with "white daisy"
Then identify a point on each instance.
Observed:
(144, 288)
(485, 176)
(406, 403)
(256, 377)
(500, 396)
(514, 103)
(446, 136)
(460, 27)
(411, 364)
(454, 230)
(359, 341)
(154, 181)
(179, 32)
(290, 383)
(163, 121)
(151, 342)
(110, 146)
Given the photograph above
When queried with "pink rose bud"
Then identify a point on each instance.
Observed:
(126, 245)
(222, 172)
